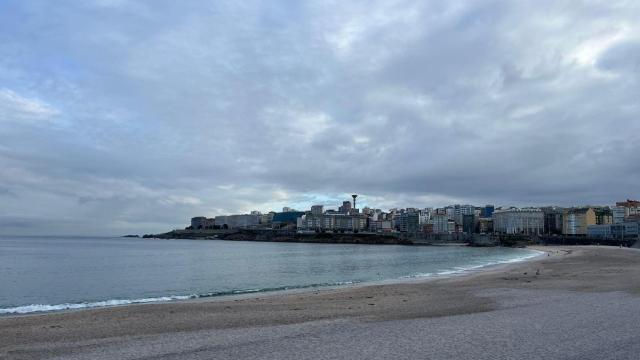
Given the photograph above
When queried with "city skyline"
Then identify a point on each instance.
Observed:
(125, 117)
(587, 221)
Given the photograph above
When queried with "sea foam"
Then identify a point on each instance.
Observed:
(465, 269)
(34, 308)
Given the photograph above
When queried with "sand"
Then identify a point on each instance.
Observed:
(576, 303)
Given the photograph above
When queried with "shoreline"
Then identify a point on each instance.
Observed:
(573, 303)
(248, 294)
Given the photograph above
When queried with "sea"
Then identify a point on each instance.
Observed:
(39, 274)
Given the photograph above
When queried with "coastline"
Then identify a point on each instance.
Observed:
(44, 309)
(566, 284)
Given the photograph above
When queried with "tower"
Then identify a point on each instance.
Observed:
(354, 200)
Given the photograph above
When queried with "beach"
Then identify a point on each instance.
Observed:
(573, 302)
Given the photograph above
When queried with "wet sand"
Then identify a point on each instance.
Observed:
(579, 302)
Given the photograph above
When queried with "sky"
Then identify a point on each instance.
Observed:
(122, 116)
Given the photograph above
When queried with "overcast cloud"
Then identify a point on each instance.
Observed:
(124, 116)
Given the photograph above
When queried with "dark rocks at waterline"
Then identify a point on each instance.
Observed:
(284, 236)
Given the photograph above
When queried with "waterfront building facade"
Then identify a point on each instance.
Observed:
(201, 223)
(243, 221)
(380, 225)
(576, 220)
(528, 221)
(621, 231)
(552, 220)
(409, 222)
(332, 222)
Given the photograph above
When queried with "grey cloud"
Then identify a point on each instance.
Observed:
(623, 58)
(167, 111)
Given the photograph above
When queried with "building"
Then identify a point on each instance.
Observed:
(409, 222)
(427, 228)
(332, 222)
(440, 223)
(552, 220)
(457, 212)
(201, 222)
(618, 214)
(528, 221)
(286, 219)
(380, 225)
(631, 207)
(317, 209)
(425, 215)
(244, 221)
(485, 225)
(310, 221)
(604, 216)
(576, 220)
(621, 231)
(488, 210)
(468, 223)
(266, 219)
(345, 208)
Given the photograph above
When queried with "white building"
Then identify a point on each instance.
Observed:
(518, 221)
(244, 221)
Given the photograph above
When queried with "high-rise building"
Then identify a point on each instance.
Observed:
(345, 208)
(409, 222)
(459, 211)
(488, 210)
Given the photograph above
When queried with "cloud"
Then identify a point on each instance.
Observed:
(14, 107)
(118, 116)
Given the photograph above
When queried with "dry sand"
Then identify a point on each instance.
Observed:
(578, 302)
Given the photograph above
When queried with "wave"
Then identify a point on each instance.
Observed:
(34, 308)
(464, 269)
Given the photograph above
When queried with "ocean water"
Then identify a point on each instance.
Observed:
(57, 273)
